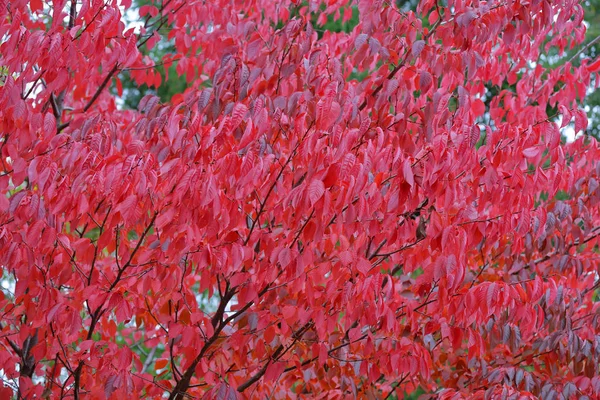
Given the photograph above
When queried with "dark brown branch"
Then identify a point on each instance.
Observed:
(374, 254)
(114, 70)
(56, 108)
(272, 187)
(595, 234)
(89, 280)
(180, 389)
(302, 228)
(390, 76)
(310, 360)
(389, 253)
(97, 314)
(91, 102)
(395, 386)
(133, 253)
(72, 14)
(85, 28)
(163, 20)
(279, 352)
(110, 74)
(225, 299)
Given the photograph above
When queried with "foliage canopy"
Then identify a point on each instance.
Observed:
(379, 209)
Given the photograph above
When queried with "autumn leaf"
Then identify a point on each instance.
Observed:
(315, 191)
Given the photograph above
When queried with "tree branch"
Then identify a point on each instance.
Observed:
(72, 14)
(279, 352)
(133, 253)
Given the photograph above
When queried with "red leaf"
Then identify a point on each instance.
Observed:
(274, 370)
(566, 115)
(36, 5)
(239, 111)
(425, 80)
(594, 66)
(347, 164)
(161, 363)
(361, 40)
(49, 124)
(109, 385)
(408, 172)
(315, 191)
(148, 9)
(466, 18)
(478, 107)
(491, 294)
(221, 391)
(474, 136)
(285, 257)
(20, 110)
(363, 266)
(581, 121)
(531, 152)
(374, 45)
(417, 47)
(127, 207)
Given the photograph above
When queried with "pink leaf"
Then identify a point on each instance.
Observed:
(581, 121)
(315, 191)
(417, 47)
(49, 124)
(284, 257)
(361, 40)
(363, 266)
(566, 115)
(491, 294)
(425, 80)
(408, 173)
(474, 135)
(531, 152)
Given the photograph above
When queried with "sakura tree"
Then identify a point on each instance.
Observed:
(320, 215)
